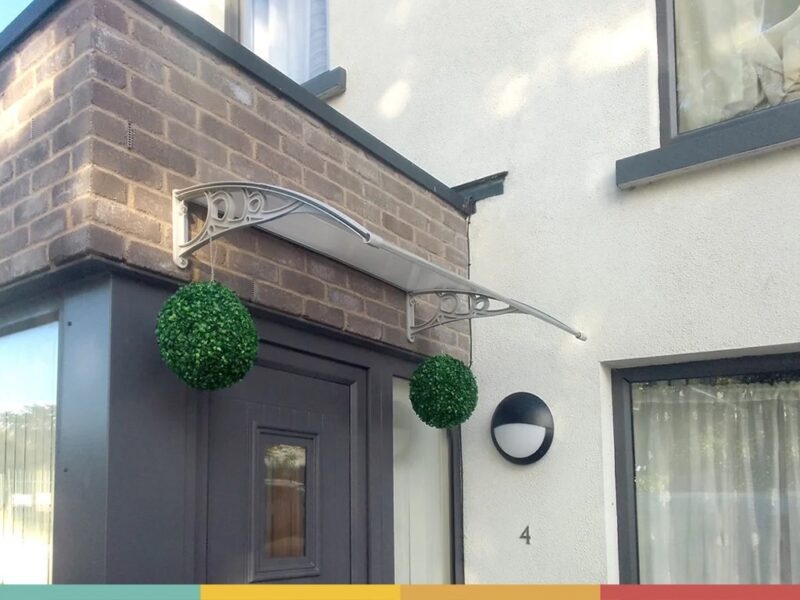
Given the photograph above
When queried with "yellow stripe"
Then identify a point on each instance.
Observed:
(501, 592)
(299, 592)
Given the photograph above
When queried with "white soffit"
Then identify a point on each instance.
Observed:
(311, 223)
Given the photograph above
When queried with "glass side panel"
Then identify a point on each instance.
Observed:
(717, 471)
(422, 539)
(28, 385)
(285, 494)
(734, 58)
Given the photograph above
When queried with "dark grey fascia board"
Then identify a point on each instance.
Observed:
(480, 189)
(763, 131)
(226, 47)
(329, 84)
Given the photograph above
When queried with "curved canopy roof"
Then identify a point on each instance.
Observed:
(311, 223)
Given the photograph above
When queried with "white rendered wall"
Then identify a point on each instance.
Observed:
(699, 266)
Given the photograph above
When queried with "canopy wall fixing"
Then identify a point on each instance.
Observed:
(311, 223)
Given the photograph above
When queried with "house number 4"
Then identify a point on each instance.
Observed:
(526, 535)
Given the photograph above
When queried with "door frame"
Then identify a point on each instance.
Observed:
(381, 364)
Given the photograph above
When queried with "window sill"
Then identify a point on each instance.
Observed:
(767, 130)
(329, 84)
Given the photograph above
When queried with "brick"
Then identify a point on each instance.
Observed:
(33, 156)
(343, 299)
(88, 239)
(454, 256)
(6, 172)
(35, 47)
(241, 286)
(55, 62)
(251, 170)
(413, 217)
(281, 252)
(154, 259)
(324, 188)
(364, 285)
(27, 262)
(126, 220)
(127, 165)
(209, 172)
(50, 172)
(381, 199)
(165, 154)
(169, 104)
(111, 14)
(195, 143)
(429, 243)
(108, 186)
(77, 73)
(446, 235)
(255, 126)
(72, 131)
(327, 270)
(157, 41)
(195, 92)
(14, 191)
(303, 154)
(13, 242)
(70, 21)
(363, 167)
(225, 134)
(344, 178)
(6, 221)
(253, 266)
(69, 189)
(382, 313)
(154, 205)
(127, 109)
(358, 207)
(8, 73)
(109, 72)
(323, 313)
(110, 128)
(399, 190)
(48, 226)
(275, 297)
(454, 221)
(216, 79)
(50, 118)
(397, 226)
(363, 326)
(324, 143)
(18, 89)
(31, 103)
(302, 284)
(272, 111)
(121, 50)
(279, 162)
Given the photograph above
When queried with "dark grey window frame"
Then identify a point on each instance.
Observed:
(622, 379)
(756, 133)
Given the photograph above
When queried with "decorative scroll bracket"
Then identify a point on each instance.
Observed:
(451, 306)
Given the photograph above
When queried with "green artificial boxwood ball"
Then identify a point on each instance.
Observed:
(443, 392)
(207, 336)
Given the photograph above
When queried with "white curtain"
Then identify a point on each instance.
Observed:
(718, 481)
(735, 56)
(292, 35)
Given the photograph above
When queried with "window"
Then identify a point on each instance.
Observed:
(28, 387)
(291, 35)
(733, 58)
(711, 483)
(422, 496)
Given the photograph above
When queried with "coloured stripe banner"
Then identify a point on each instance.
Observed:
(397, 592)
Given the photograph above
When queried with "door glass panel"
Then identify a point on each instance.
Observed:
(285, 494)
(28, 376)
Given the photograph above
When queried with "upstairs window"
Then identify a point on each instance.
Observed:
(291, 35)
(734, 57)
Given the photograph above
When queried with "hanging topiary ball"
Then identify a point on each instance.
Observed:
(207, 336)
(443, 392)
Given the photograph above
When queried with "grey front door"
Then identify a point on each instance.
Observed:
(285, 462)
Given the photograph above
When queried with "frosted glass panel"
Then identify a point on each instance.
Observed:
(28, 376)
(212, 11)
(422, 548)
(285, 483)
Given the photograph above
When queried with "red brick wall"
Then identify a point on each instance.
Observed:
(110, 109)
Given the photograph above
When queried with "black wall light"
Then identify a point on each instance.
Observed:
(522, 428)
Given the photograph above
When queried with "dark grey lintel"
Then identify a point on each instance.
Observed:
(480, 189)
(329, 84)
(759, 132)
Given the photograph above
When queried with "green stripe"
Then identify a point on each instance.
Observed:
(99, 592)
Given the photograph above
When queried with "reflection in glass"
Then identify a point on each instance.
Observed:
(28, 366)
(718, 480)
(285, 493)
